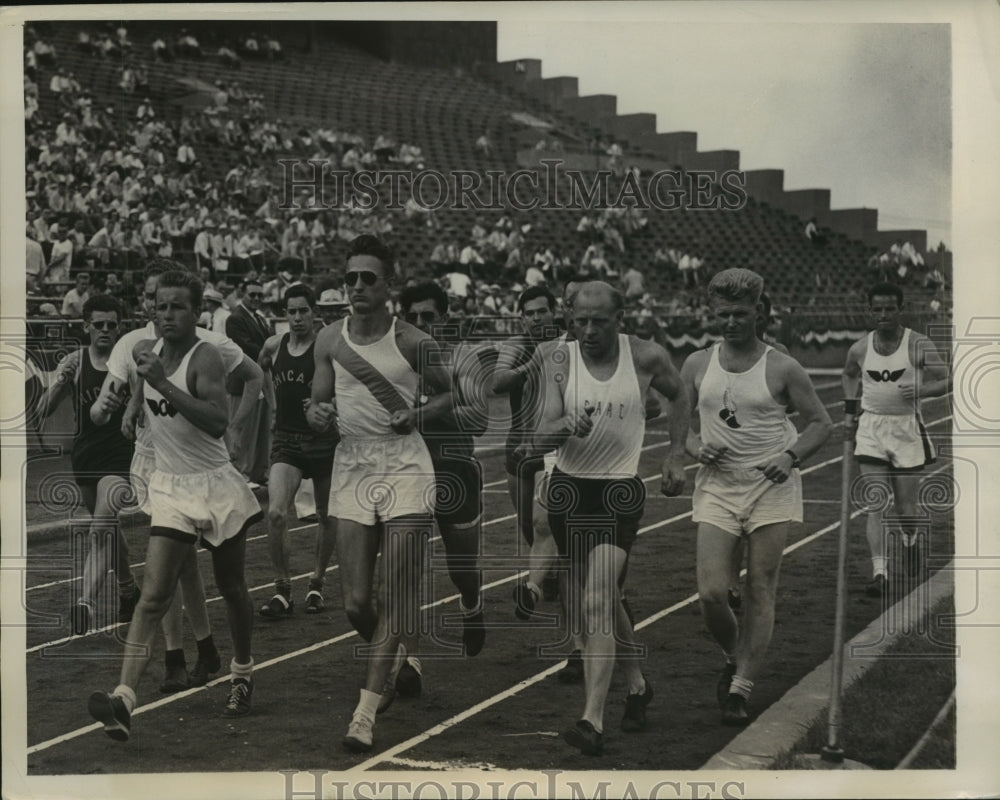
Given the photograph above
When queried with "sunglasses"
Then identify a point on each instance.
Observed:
(427, 317)
(368, 277)
(105, 325)
(254, 294)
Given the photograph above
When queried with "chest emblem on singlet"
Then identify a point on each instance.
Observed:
(728, 413)
(885, 375)
(161, 408)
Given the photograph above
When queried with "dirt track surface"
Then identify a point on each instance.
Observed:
(308, 675)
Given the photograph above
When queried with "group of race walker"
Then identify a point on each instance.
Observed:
(381, 413)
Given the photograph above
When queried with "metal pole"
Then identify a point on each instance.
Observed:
(832, 750)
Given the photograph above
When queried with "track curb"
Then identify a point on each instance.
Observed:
(782, 726)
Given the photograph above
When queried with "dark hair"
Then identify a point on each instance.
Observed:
(158, 265)
(100, 302)
(251, 282)
(176, 279)
(424, 291)
(300, 290)
(368, 245)
(765, 302)
(534, 292)
(886, 288)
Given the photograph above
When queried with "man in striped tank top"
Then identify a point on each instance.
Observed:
(296, 451)
(195, 494)
(594, 414)
(748, 484)
(894, 368)
(383, 485)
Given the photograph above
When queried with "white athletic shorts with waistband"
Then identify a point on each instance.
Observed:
(896, 440)
(214, 506)
(140, 472)
(379, 478)
(741, 500)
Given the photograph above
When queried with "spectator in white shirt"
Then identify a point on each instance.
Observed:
(72, 306)
(34, 262)
(61, 258)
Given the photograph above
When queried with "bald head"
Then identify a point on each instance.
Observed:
(598, 294)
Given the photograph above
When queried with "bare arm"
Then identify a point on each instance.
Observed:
(321, 413)
(206, 409)
(666, 380)
(851, 377)
(689, 369)
(265, 361)
(60, 385)
(511, 370)
(933, 376)
(253, 379)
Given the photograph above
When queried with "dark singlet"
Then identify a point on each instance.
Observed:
(525, 397)
(98, 449)
(292, 377)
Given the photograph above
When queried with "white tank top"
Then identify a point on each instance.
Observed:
(758, 426)
(880, 377)
(359, 413)
(179, 446)
(613, 446)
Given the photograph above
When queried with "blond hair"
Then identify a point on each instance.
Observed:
(736, 285)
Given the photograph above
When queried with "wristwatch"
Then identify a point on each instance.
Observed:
(795, 459)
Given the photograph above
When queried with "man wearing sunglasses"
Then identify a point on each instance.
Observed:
(100, 457)
(458, 507)
(383, 485)
(122, 376)
(749, 483)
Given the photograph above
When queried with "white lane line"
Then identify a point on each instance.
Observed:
(497, 698)
(393, 752)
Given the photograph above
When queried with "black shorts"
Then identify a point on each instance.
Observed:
(586, 512)
(459, 490)
(309, 454)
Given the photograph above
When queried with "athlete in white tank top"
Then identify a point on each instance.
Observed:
(612, 448)
(738, 411)
(881, 375)
(180, 447)
(359, 413)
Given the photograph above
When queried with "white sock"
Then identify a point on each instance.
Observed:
(741, 686)
(367, 705)
(244, 671)
(880, 566)
(414, 662)
(127, 694)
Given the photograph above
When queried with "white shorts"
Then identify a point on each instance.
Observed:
(211, 506)
(140, 472)
(380, 478)
(740, 500)
(894, 440)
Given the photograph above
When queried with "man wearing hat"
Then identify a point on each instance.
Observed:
(216, 311)
(332, 306)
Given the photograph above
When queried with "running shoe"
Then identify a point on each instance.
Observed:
(878, 587)
(585, 738)
(240, 693)
(408, 681)
(176, 679)
(359, 735)
(722, 687)
(635, 709)
(474, 632)
(314, 602)
(277, 607)
(204, 668)
(110, 710)
(734, 712)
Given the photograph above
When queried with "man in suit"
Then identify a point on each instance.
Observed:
(249, 328)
